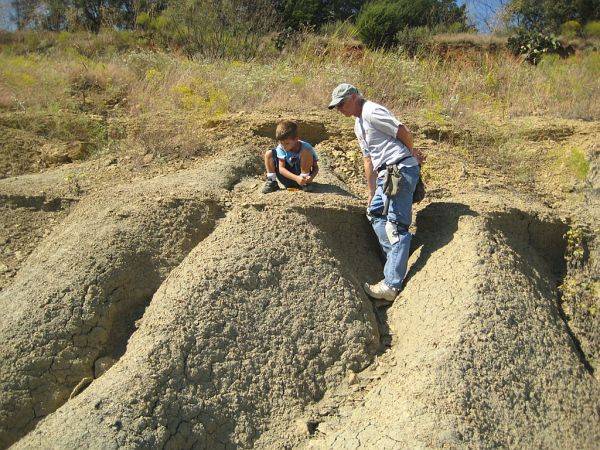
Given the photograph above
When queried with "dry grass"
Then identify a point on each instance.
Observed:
(156, 100)
(476, 40)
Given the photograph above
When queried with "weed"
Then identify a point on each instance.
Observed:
(577, 163)
(580, 297)
(200, 95)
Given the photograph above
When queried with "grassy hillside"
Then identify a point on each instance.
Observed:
(113, 88)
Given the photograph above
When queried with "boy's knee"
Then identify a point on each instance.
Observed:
(269, 154)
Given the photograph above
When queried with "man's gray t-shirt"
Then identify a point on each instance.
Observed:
(376, 130)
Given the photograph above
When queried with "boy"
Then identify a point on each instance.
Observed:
(293, 162)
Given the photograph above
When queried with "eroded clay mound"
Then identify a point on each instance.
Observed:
(481, 357)
(259, 320)
(76, 297)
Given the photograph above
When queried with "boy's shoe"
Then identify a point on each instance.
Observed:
(270, 186)
(381, 291)
(307, 188)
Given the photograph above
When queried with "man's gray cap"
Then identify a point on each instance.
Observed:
(340, 92)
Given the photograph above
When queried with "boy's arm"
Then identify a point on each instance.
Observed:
(292, 176)
(370, 176)
(314, 171)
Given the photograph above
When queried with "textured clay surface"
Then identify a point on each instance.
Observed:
(78, 294)
(258, 321)
(185, 309)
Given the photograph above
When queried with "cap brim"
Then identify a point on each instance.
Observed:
(334, 103)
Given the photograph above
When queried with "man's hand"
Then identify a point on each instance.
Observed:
(419, 155)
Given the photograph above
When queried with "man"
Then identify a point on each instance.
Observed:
(387, 148)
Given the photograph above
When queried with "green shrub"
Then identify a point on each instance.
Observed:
(299, 14)
(214, 28)
(380, 21)
(571, 29)
(414, 40)
(548, 15)
(143, 21)
(534, 45)
(578, 163)
(592, 29)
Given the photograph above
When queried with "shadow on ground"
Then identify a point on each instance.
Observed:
(436, 225)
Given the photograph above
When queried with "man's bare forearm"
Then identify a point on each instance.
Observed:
(370, 176)
(405, 136)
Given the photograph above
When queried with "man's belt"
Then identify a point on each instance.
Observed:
(394, 163)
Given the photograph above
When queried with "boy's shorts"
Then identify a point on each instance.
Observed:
(295, 169)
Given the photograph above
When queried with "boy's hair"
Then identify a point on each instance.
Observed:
(286, 129)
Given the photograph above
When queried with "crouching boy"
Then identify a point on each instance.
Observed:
(293, 162)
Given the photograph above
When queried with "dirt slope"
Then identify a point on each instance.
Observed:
(77, 296)
(260, 319)
(480, 355)
(227, 318)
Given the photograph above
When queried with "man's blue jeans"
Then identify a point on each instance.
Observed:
(392, 230)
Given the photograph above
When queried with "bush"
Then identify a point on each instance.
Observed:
(548, 15)
(299, 14)
(213, 28)
(143, 21)
(534, 45)
(414, 40)
(571, 29)
(380, 21)
(339, 29)
(592, 30)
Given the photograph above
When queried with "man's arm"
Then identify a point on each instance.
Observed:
(382, 120)
(292, 176)
(370, 176)
(405, 136)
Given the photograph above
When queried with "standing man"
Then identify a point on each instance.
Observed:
(387, 148)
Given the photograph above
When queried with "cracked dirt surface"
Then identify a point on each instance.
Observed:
(174, 306)
(243, 332)
(77, 295)
(480, 355)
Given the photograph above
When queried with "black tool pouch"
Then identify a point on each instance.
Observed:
(392, 181)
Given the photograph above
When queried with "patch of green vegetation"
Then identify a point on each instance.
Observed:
(298, 80)
(199, 95)
(576, 162)
(592, 29)
(436, 115)
(580, 289)
(575, 246)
